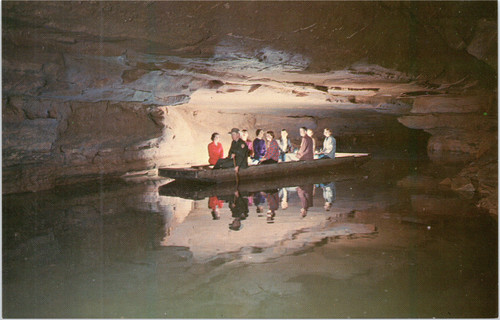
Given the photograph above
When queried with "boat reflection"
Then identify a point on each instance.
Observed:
(289, 214)
(274, 192)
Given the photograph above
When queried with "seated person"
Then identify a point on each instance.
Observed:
(238, 153)
(329, 146)
(285, 144)
(215, 149)
(310, 133)
(259, 145)
(306, 151)
(272, 154)
(244, 137)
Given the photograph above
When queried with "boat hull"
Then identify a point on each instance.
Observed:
(205, 174)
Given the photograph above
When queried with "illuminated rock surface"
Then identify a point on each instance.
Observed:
(94, 88)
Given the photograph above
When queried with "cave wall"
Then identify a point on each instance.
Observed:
(45, 142)
(105, 88)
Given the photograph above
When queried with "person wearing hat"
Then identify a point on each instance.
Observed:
(238, 153)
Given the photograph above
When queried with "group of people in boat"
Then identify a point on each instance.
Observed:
(267, 149)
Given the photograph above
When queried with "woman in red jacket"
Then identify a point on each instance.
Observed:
(215, 150)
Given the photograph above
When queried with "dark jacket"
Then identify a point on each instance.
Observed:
(259, 148)
(306, 151)
(240, 149)
(238, 206)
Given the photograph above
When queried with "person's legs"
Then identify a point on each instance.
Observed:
(224, 163)
(291, 157)
(323, 156)
(269, 161)
(218, 164)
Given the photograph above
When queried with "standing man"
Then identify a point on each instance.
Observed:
(306, 151)
(238, 152)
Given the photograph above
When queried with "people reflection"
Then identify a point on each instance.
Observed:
(239, 209)
(329, 194)
(305, 193)
(259, 198)
(284, 198)
(214, 203)
(273, 200)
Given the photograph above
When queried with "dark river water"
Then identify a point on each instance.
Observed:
(138, 249)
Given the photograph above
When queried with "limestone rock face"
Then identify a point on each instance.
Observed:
(480, 176)
(46, 140)
(453, 104)
(106, 88)
(462, 127)
(484, 44)
(459, 145)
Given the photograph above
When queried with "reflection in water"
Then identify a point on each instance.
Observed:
(329, 194)
(305, 193)
(273, 200)
(259, 199)
(239, 209)
(215, 204)
(366, 248)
